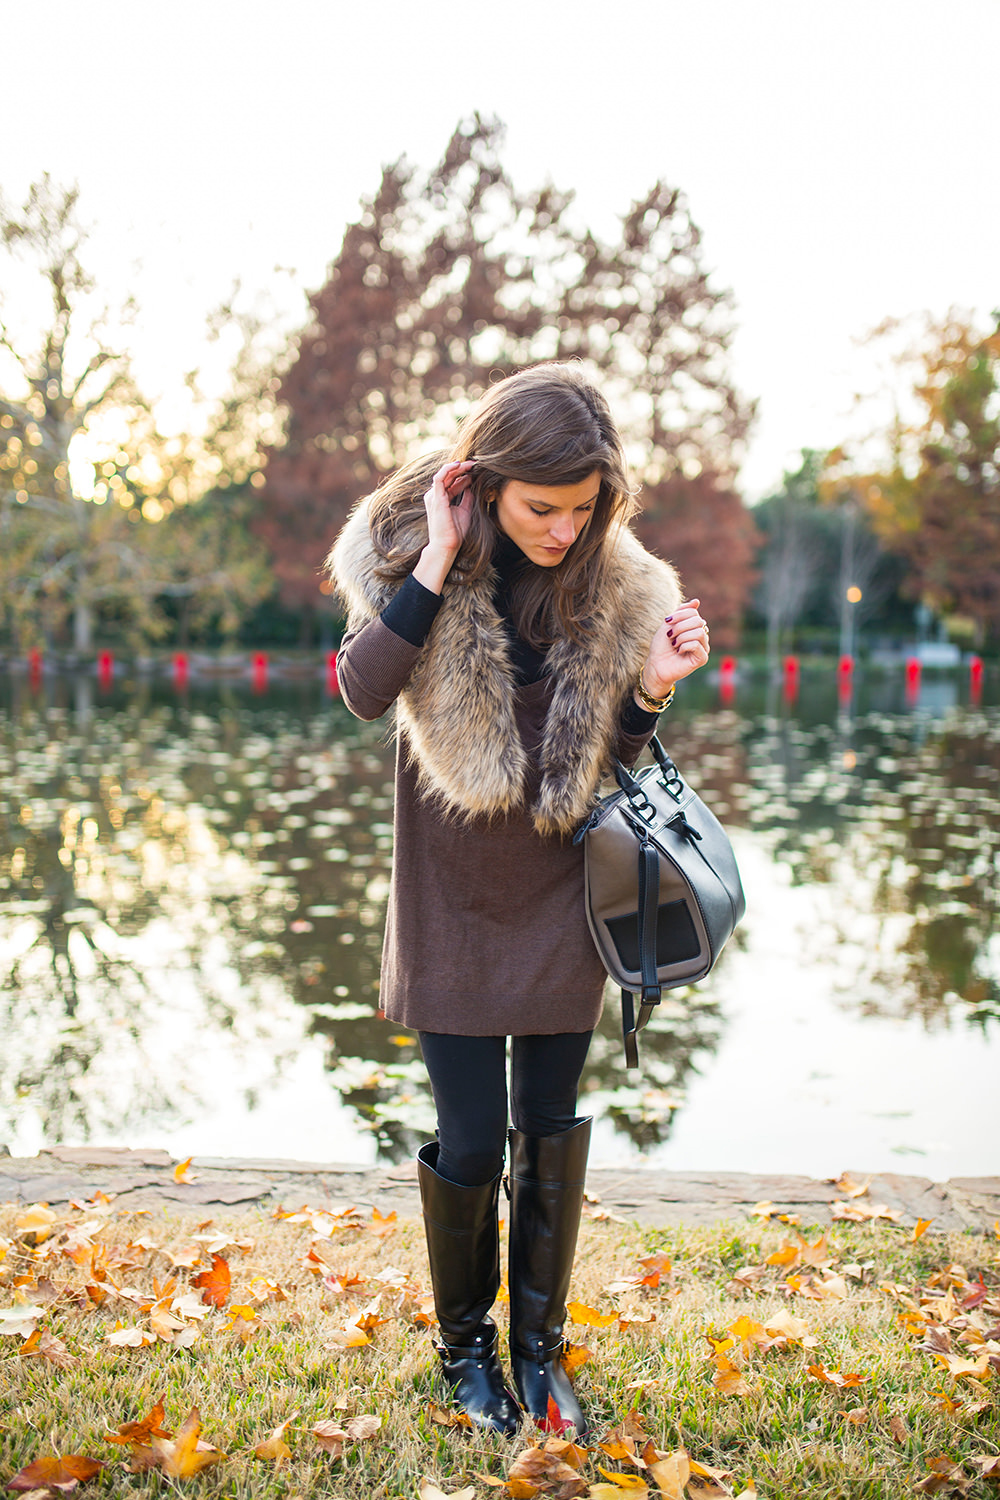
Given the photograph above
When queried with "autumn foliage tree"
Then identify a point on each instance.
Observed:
(73, 548)
(936, 500)
(454, 277)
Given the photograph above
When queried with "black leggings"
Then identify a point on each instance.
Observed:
(469, 1081)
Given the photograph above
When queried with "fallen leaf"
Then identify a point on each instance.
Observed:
(728, 1379)
(330, 1436)
(360, 1428)
(989, 1467)
(961, 1369)
(383, 1225)
(788, 1254)
(575, 1355)
(944, 1473)
(274, 1448)
(45, 1345)
(656, 1267)
(672, 1473)
(215, 1284)
(857, 1417)
(619, 1484)
(536, 1467)
(786, 1325)
(570, 1453)
(185, 1455)
(579, 1312)
(921, 1227)
(129, 1338)
(21, 1319)
(141, 1431)
(50, 1472)
(182, 1172)
(554, 1420)
(846, 1184)
(834, 1377)
(444, 1417)
(38, 1220)
(898, 1429)
(427, 1489)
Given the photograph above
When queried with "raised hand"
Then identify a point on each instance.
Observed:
(678, 648)
(448, 503)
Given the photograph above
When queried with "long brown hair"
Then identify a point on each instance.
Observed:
(546, 425)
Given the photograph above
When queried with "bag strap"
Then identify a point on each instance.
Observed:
(652, 990)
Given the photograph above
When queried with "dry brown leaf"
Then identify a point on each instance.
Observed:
(988, 1465)
(428, 1490)
(330, 1436)
(363, 1427)
(966, 1369)
(45, 1345)
(944, 1473)
(444, 1417)
(858, 1416)
(49, 1472)
(898, 1430)
(537, 1468)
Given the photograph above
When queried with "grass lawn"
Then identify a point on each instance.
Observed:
(753, 1358)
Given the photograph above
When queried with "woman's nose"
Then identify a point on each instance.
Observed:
(564, 531)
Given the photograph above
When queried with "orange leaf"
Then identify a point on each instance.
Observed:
(185, 1455)
(787, 1254)
(142, 1431)
(444, 1417)
(656, 1267)
(943, 1473)
(579, 1312)
(57, 1473)
(627, 1482)
(214, 1284)
(834, 1377)
(728, 1378)
(857, 1418)
(575, 1355)
(383, 1225)
(959, 1368)
(921, 1227)
(182, 1172)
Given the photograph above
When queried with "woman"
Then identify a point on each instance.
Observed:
(497, 597)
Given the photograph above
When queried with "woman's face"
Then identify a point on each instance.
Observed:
(545, 520)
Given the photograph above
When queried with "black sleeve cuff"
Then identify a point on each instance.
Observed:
(636, 720)
(411, 612)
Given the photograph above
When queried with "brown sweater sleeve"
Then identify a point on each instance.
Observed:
(373, 667)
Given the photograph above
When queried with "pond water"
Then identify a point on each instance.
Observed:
(192, 888)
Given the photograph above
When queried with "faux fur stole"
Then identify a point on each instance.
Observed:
(458, 706)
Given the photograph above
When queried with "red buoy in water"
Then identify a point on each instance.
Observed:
(105, 668)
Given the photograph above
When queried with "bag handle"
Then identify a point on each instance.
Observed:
(652, 990)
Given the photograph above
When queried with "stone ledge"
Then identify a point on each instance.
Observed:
(145, 1179)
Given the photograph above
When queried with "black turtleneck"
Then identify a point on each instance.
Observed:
(413, 609)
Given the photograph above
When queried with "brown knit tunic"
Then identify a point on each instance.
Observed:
(485, 933)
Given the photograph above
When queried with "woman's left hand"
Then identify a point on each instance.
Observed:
(678, 648)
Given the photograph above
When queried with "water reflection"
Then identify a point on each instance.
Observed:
(182, 881)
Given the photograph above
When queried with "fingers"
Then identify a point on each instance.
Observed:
(451, 481)
(688, 631)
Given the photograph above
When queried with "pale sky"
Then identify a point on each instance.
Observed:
(840, 158)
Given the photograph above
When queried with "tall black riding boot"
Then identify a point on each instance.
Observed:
(464, 1251)
(546, 1199)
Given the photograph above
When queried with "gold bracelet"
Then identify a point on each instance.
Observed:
(650, 704)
